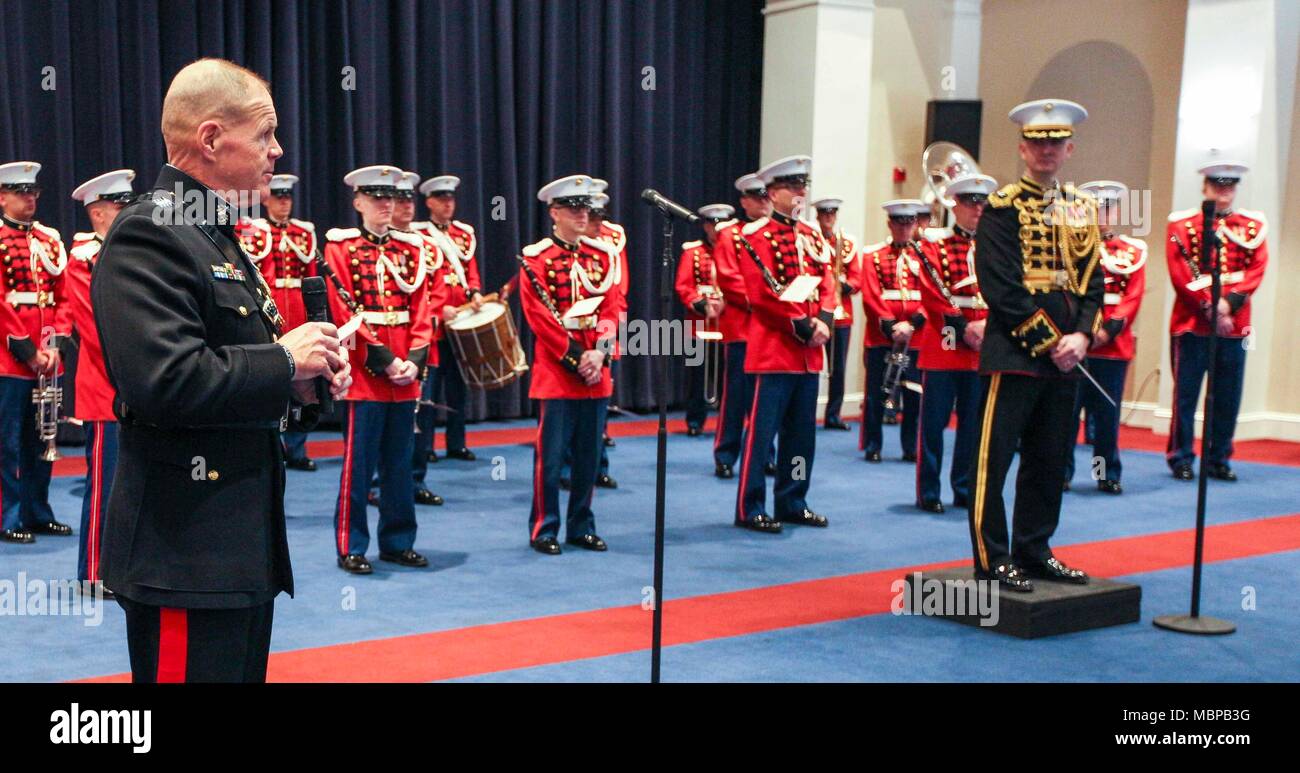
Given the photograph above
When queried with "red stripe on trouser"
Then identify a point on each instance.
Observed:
(749, 451)
(96, 501)
(173, 644)
(345, 485)
(539, 497)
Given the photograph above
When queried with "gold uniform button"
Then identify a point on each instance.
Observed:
(213, 475)
(243, 312)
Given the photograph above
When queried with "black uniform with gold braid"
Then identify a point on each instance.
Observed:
(1036, 259)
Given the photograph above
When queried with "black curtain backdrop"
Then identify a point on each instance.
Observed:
(507, 94)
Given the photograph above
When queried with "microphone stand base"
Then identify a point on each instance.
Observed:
(1195, 624)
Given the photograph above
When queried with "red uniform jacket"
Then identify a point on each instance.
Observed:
(1241, 259)
(459, 246)
(399, 317)
(94, 392)
(951, 254)
(777, 328)
(1123, 260)
(614, 239)
(890, 291)
(696, 276)
(727, 250)
(847, 256)
(552, 265)
(284, 253)
(32, 284)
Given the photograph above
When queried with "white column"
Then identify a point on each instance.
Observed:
(1236, 98)
(965, 51)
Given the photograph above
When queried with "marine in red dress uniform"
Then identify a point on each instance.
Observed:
(784, 352)
(889, 276)
(34, 263)
(284, 250)
(610, 237)
(570, 371)
(1243, 255)
(950, 343)
(697, 289)
(383, 271)
(844, 253)
(104, 197)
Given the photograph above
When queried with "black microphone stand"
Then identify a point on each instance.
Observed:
(1194, 623)
(666, 274)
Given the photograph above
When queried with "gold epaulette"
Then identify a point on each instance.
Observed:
(1005, 195)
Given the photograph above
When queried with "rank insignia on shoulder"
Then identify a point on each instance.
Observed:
(228, 272)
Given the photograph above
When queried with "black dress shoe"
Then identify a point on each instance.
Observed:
(1222, 472)
(909, 456)
(52, 529)
(1109, 487)
(463, 454)
(14, 535)
(1184, 472)
(546, 546)
(834, 424)
(355, 564)
(1051, 569)
(1008, 576)
(565, 484)
(932, 506)
(604, 481)
(761, 523)
(609, 441)
(405, 558)
(769, 470)
(588, 542)
(692, 431)
(873, 457)
(722, 470)
(805, 518)
(304, 464)
(424, 496)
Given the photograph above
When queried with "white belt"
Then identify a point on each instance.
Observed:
(288, 282)
(1113, 299)
(28, 298)
(1204, 280)
(387, 317)
(969, 302)
(580, 323)
(897, 295)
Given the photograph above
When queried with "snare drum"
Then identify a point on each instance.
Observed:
(487, 349)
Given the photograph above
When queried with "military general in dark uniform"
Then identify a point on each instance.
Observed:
(195, 545)
(1036, 258)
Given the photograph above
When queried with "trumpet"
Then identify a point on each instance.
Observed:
(896, 364)
(711, 337)
(48, 399)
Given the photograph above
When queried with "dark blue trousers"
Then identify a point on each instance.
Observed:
(872, 438)
(295, 445)
(697, 406)
(566, 426)
(1191, 356)
(602, 467)
(784, 407)
(946, 390)
(1102, 417)
(101, 461)
(24, 478)
(376, 435)
(733, 404)
(424, 432)
(837, 351)
(447, 379)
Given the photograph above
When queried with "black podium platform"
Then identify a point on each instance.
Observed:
(1053, 608)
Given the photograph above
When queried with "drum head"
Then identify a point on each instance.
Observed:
(468, 320)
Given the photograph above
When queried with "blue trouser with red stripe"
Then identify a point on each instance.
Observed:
(101, 461)
(785, 407)
(24, 478)
(733, 410)
(295, 445)
(423, 441)
(566, 427)
(1191, 355)
(376, 435)
(837, 354)
(871, 439)
(1103, 417)
(945, 390)
(173, 644)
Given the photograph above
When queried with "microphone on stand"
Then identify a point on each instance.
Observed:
(668, 206)
(316, 304)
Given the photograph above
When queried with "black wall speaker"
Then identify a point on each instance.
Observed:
(954, 120)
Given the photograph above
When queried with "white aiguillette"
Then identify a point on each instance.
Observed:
(347, 329)
(584, 307)
(801, 288)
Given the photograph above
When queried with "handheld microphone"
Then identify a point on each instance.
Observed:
(316, 304)
(668, 206)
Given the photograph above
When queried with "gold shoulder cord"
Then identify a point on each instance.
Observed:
(1077, 239)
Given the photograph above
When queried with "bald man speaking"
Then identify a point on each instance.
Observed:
(194, 545)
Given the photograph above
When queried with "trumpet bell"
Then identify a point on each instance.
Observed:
(51, 454)
(944, 162)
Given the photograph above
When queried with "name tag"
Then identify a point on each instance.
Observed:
(227, 272)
